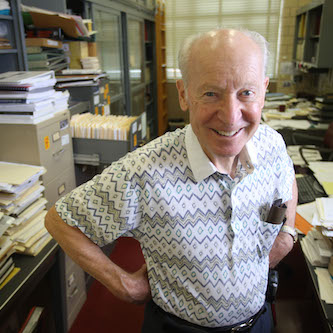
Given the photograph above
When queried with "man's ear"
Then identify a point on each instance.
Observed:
(266, 82)
(182, 95)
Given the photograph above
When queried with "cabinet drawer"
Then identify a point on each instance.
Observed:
(58, 187)
(75, 292)
(55, 147)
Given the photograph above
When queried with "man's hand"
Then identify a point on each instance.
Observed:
(282, 246)
(135, 286)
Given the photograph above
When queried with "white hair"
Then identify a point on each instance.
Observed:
(185, 50)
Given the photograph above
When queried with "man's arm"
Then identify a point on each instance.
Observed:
(284, 242)
(129, 287)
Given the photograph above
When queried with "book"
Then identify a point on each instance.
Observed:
(34, 49)
(35, 106)
(13, 78)
(45, 56)
(4, 265)
(43, 42)
(9, 119)
(28, 96)
(10, 276)
(6, 273)
(32, 320)
(29, 114)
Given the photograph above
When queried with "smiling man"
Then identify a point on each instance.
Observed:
(196, 199)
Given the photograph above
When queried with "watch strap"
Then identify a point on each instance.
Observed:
(291, 231)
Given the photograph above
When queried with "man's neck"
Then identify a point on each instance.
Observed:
(227, 165)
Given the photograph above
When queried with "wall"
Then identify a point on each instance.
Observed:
(310, 83)
(317, 84)
(174, 110)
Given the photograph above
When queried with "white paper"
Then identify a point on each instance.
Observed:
(306, 211)
(325, 284)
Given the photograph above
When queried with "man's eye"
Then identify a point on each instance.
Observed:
(247, 93)
(209, 94)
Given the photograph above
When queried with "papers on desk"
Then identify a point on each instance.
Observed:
(323, 172)
(22, 210)
(325, 283)
(317, 248)
(310, 155)
(319, 214)
(297, 124)
(317, 244)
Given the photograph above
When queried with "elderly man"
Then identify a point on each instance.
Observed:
(196, 199)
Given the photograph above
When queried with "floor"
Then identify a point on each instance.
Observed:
(296, 308)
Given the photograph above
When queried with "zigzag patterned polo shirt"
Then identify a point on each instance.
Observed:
(202, 233)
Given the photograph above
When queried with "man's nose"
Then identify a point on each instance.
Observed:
(229, 110)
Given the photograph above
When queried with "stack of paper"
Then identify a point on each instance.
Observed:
(7, 265)
(110, 127)
(46, 58)
(23, 207)
(323, 172)
(324, 215)
(317, 248)
(90, 63)
(309, 154)
(29, 97)
(319, 214)
(78, 80)
(325, 283)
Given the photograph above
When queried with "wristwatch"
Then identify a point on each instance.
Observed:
(291, 231)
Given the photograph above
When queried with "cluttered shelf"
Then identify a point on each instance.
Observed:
(28, 254)
(327, 308)
(31, 272)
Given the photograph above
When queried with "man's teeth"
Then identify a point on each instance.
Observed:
(226, 133)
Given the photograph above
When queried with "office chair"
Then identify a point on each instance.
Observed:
(322, 144)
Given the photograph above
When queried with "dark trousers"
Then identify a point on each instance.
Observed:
(158, 321)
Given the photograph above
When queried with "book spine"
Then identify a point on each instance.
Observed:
(19, 100)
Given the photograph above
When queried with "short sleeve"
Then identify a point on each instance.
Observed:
(105, 207)
(284, 170)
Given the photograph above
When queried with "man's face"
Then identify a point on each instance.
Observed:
(225, 95)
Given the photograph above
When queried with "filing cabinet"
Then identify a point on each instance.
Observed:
(47, 143)
(75, 289)
(98, 95)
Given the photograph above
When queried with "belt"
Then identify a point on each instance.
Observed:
(244, 327)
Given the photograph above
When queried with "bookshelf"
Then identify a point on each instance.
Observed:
(162, 111)
(150, 79)
(11, 28)
(312, 39)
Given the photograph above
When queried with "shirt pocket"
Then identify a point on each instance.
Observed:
(266, 234)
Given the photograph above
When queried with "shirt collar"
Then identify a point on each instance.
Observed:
(201, 165)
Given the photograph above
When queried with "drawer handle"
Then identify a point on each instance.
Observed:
(57, 154)
(74, 292)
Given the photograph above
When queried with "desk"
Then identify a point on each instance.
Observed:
(326, 309)
(16, 296)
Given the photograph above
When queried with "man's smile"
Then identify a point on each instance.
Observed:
(223, 133)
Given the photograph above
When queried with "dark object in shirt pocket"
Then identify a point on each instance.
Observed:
(277, 213)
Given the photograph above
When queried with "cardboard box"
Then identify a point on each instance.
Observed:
(77, 51)
(92, 49)
(43, 42)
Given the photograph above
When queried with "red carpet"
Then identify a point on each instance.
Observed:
(102, 312)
